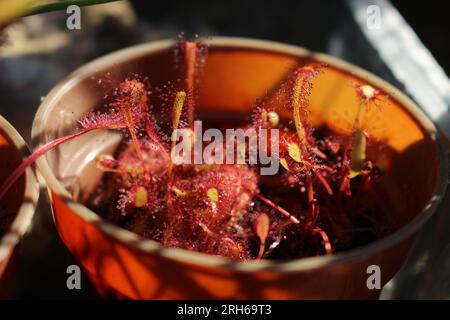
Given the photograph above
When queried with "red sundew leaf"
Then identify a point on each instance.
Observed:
(262, 230)
(177, 109)
(132, 97)
(193, 53)
(132, 103)
(127, 110)
(323, 167)
(176, 113)
(262, 227)
(151, 133)
(301, 90)
(97, 120)
(367, 96)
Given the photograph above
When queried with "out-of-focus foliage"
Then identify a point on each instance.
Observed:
(10, 10)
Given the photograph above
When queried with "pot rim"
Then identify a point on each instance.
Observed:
(30, 198)
(205, 260)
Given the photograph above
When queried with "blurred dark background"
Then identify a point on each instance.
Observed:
(431, 21)
(305, 23)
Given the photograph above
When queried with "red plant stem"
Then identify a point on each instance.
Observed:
(310, 193)
(190, 60)
(137, 145)
(176, 113)
(324, 183)
(345, 183)
(152, 135)
(262, 246)
(277, 207)
(299, 102)
(17, 173)
(326, 240)
(319, 153)
(359, 116)
(130, 124)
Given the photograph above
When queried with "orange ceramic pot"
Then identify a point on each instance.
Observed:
(237, 72)
(18, 205)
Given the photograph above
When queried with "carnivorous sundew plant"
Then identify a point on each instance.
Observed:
(188, 188)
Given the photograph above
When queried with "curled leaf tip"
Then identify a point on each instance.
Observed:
(262, 230)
